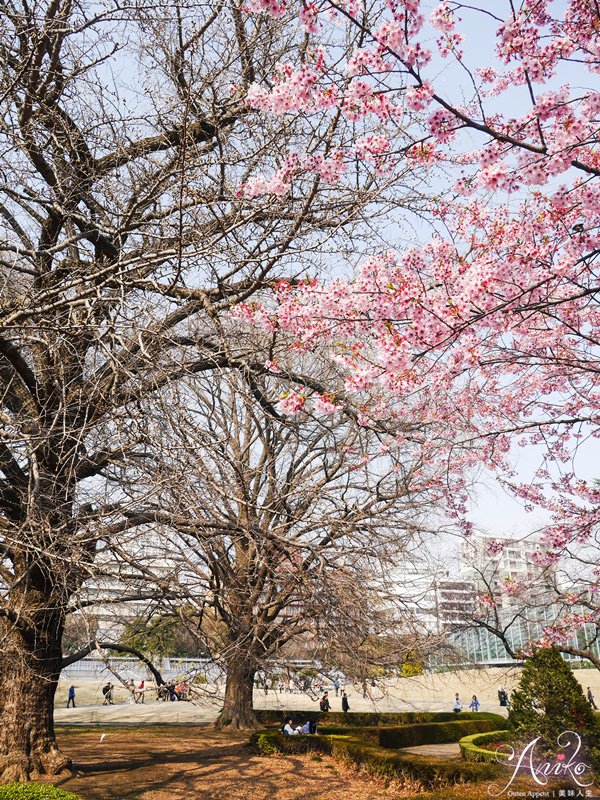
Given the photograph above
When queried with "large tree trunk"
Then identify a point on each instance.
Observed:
(237, 712)
(30, 664)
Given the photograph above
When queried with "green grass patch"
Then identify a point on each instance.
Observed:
(34, 791)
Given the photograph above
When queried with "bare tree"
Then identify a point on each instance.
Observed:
(123, 141)
(294, 527)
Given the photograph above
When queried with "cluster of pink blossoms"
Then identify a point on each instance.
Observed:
(490, 331)
(559, 129)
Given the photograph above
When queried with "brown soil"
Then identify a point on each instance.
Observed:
(200, 764)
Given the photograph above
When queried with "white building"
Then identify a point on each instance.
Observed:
(496, 565)
(436, 601)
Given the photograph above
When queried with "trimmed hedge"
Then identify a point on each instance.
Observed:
(396, 737)
(34, 791)
(377, 761)
(369, 719)
(435, 732)
(471, 750)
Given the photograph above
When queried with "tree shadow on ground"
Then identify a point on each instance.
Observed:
(199, 764)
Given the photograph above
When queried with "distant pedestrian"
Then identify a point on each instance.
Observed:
(457, 707)
(268, 684)
(336, 685)
(503, 697)
(474, 704)
(141, 692)
(107, 691)
(345, 703)
(590, 698)
(71, 698)
(324, 702)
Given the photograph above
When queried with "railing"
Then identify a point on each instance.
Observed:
(169, 668)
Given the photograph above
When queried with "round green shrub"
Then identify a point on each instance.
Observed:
(34, 791)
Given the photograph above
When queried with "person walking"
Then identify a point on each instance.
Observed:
(474, 704)
(345, 703)
(324, 702)
(336, 685)
(590, 698)
(71, 698)
(107, 691)
(457, 707)
(141, 692)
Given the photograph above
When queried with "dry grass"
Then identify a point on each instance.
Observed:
(201, 764)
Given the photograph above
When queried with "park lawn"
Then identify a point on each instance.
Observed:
(195, 763)
(199, 763)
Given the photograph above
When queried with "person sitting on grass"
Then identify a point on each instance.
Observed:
(309, 727)
(289, 729)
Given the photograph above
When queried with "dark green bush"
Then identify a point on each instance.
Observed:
(471, 746)
(34, 791)
(378, 761)
(368, 719)
(550, 700)
(435, 732)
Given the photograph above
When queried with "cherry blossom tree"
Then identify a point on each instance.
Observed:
(490, 329)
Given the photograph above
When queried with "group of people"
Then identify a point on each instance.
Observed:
(504, 700)
(305, 683)
(473, 705)
(170, 691)
(136, 695)
(173, 691)
(325, 705)
(309, 727)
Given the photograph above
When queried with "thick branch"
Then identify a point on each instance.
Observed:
(118, 648)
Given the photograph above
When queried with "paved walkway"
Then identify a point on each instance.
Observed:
(451, 750)
(205, 710)
(207, 705)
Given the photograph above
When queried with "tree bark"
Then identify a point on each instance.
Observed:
(30, 663)
(237, 712)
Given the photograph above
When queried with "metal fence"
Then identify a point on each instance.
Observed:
(127, 668)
